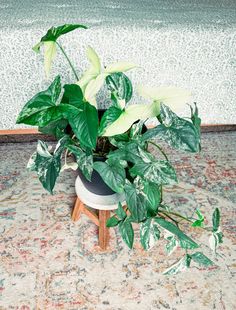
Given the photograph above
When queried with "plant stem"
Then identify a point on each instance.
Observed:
(67, 58)
(183, 218)
(160, 149)
(171, 218)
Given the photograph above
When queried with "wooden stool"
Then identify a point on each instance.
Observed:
(104, 205)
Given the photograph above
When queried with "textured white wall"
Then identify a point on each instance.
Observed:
(182, 43)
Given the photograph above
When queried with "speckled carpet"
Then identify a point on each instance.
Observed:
(48, 262)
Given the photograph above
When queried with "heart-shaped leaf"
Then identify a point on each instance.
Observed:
(112, 221)
(55, 32)
(48, 165)
(130, 115)
(157, 171)
(185, 241)
(82, 116)
(181, 265)
(49, 42)
(127, 232)
(149, 233)
(111, 114)
(42, 108)
(120, 86)
(136, 202)
(113, 174)
(84, 161)
(178, 132)
(173, 97)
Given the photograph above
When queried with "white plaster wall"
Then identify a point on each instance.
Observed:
(191, 44)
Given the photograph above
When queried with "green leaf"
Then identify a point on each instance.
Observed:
(201, 259)
(199, 222)
(120, 85)
(82, 116)
(171, 245)
(152, 193)
(112, 174)
(185, 241)
(178, 132)
(216, 219)
(112, 222)
(129, 152)
(42, 109)
(136, 202)
(195, 118)
(108, 118)
(72, 95)
(127, 232)
(119, 140)
(55, 128)
(120, 212)
(180, 266)
(158, 171)
(84, 161)
(48, 165)
(55, 32)
(149, 233)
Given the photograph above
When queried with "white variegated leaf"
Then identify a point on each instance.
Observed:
(94, 86)
(93, 71)
(31, 163)
(121, 103)
(94, 60)
(73, 166)
(180, 266)
(120, 67)
(213, 242)
(130, 115)
(86, 78)
(49, 55)
(43, 149)
(173, 97)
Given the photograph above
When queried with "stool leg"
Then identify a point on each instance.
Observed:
(103, 230)
(78, 208)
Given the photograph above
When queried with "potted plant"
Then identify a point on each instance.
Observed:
(111, 147)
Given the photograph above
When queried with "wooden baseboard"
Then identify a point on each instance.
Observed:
(32, 135)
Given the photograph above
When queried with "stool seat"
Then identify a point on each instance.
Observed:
(99, 202)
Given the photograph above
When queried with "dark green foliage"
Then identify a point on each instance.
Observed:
(178, 132)
(85, 161)
(112, 173)
(128, 168)
(42, 109)
(109, 117)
